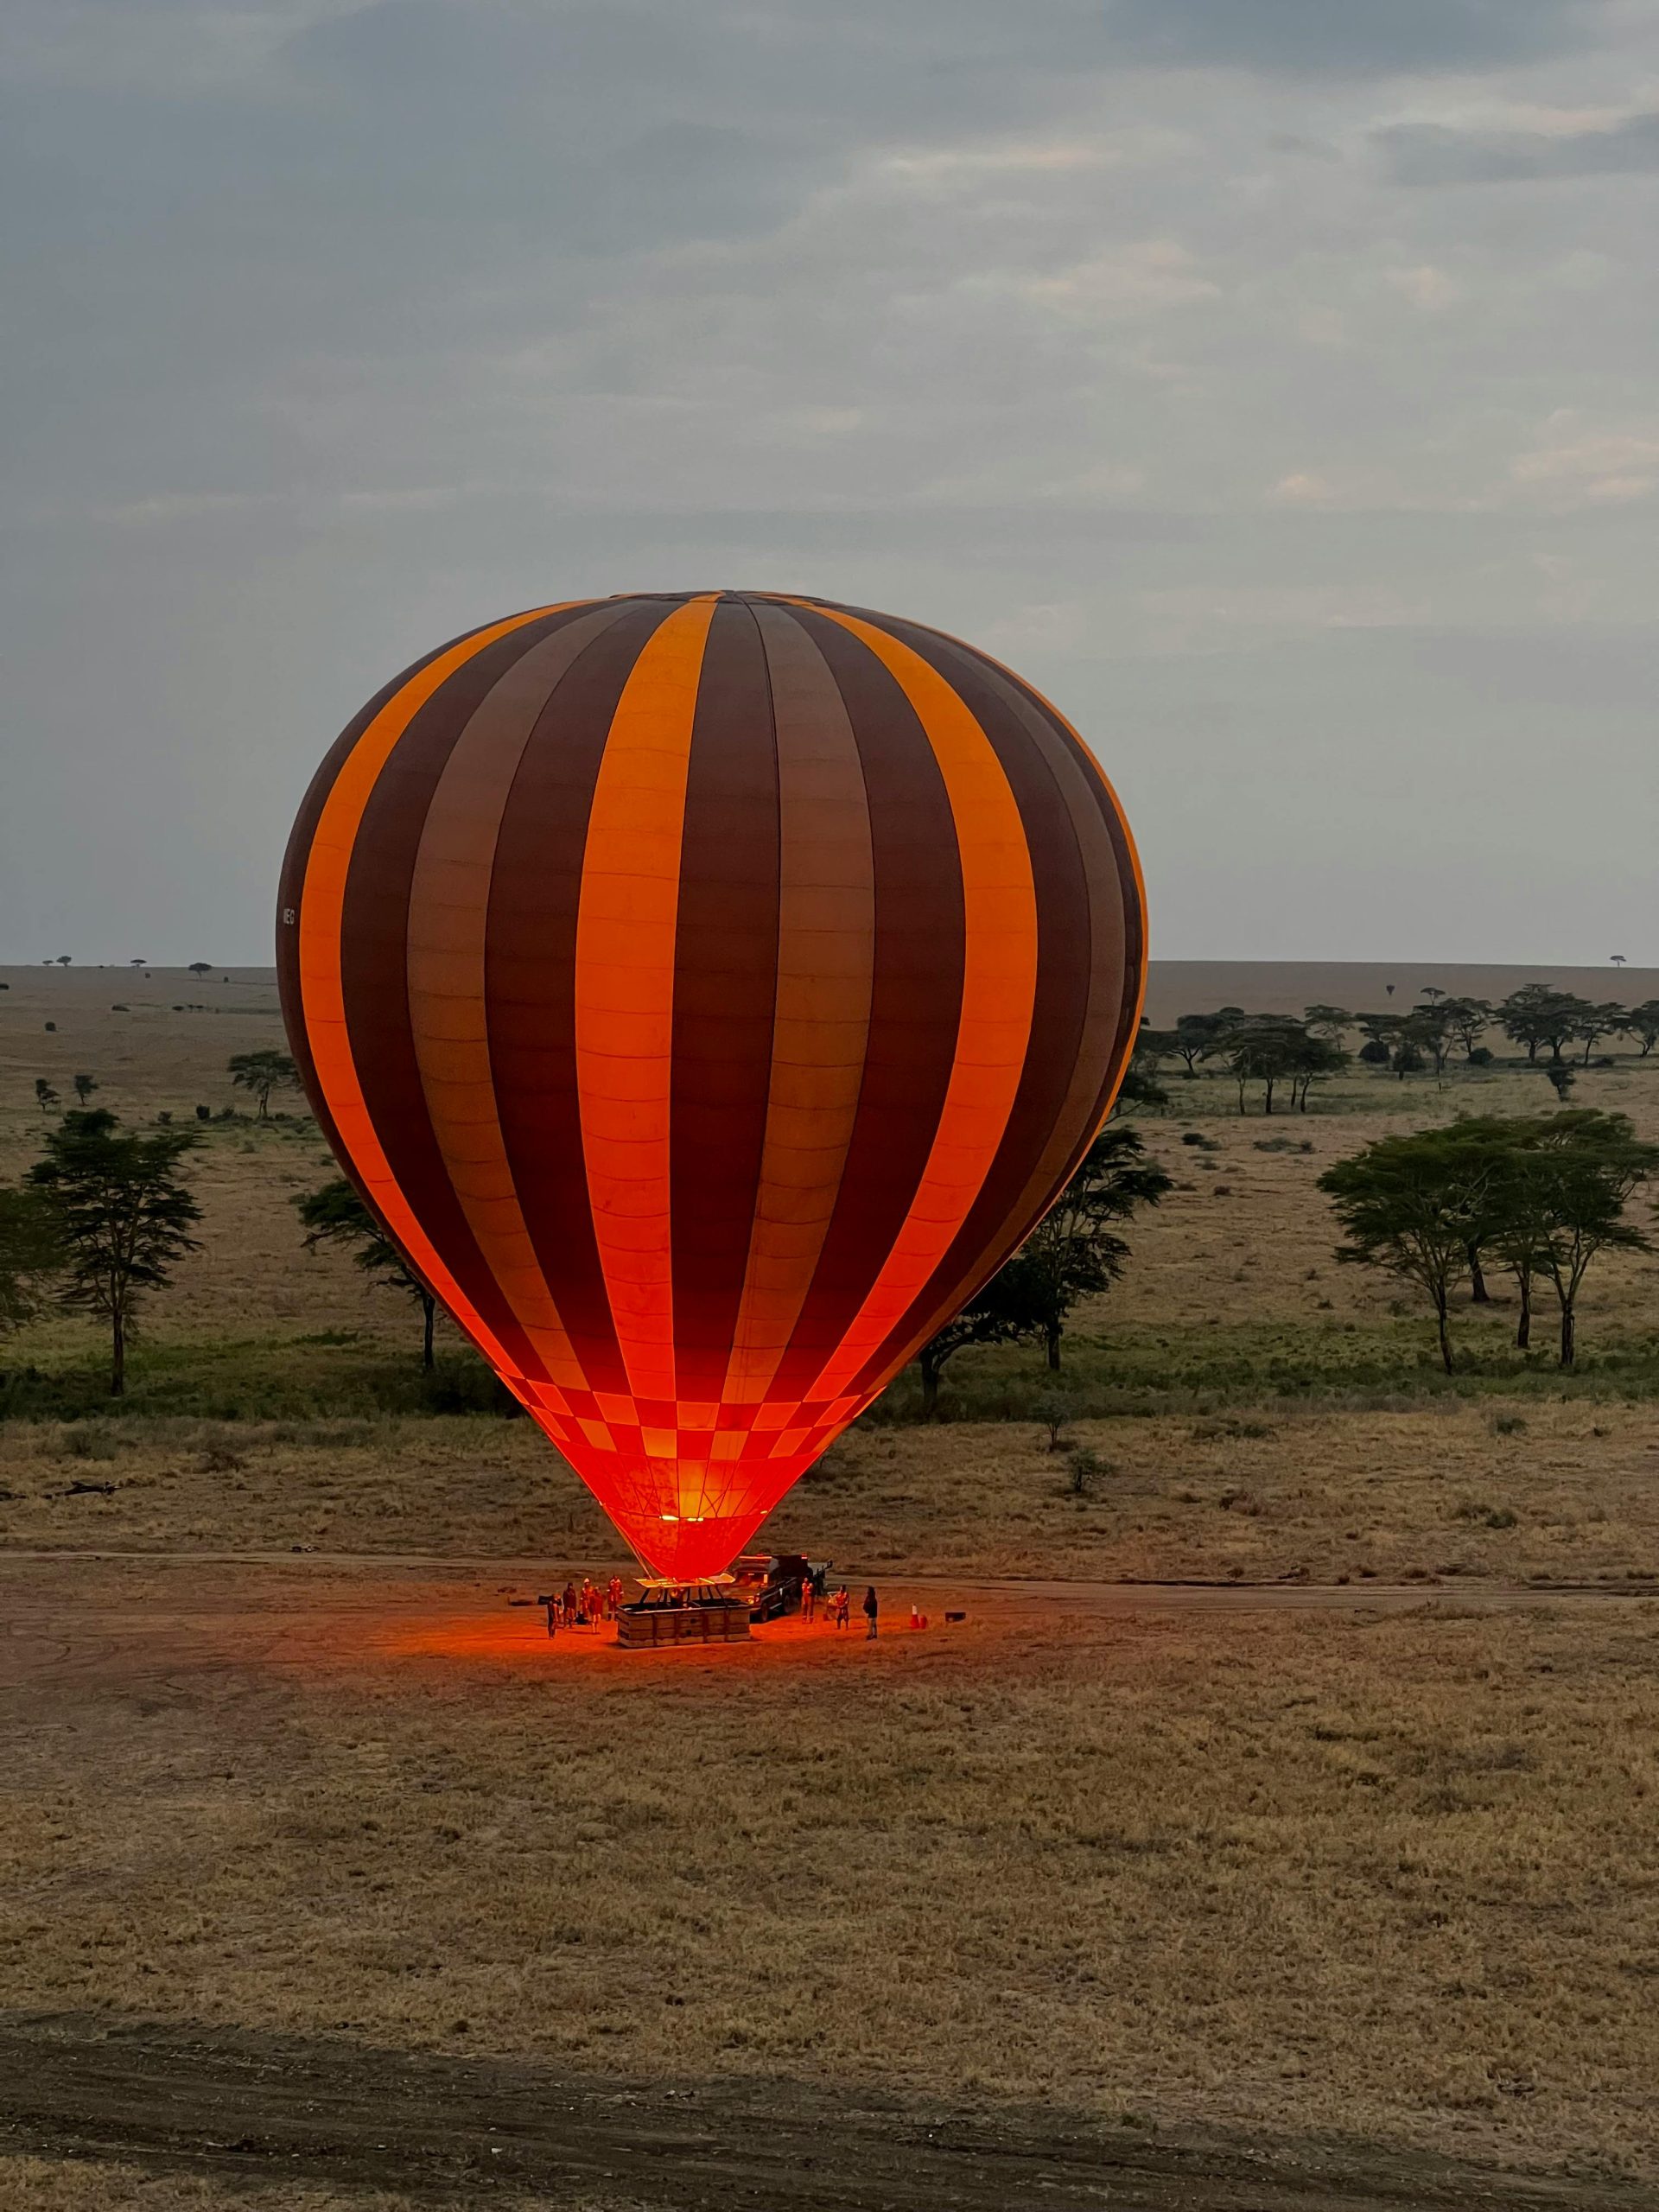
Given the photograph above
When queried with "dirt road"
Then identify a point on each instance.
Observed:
(250, 2108)
(80, 1616)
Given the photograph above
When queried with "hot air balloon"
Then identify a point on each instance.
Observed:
(707, 993)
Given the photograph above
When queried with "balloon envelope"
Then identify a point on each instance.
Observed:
(708, 993)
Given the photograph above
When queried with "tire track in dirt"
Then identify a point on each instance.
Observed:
(252, 2109)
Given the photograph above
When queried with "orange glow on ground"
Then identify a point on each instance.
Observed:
(517, 1636)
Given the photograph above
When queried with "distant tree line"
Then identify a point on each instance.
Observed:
(1277, 1058)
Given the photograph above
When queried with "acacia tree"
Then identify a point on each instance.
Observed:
(120, 1215)
(1006, 1312)
(1262, 1052)
(1537, 1015)
(1565, 1200)
(1426, 1030)
(1330, 1022)
(334, 1214)
(261, 1072)
(1643, 1023)
(1139, 1085)
(1513, 1229)
(1467, 1020)
(1196, 1036)
(45, 1096)
(1379, 1029)
(1274, 1051)
(199, 968)
(28, 1254)
(1412, 1205)
(1596, 1022)
(1315, 1059)
(85, 1086)
(1073, 1252)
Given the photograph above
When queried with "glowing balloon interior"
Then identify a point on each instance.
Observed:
(708, 993)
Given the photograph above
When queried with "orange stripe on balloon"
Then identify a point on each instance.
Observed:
(998, 992)
(449, 918)
(626, 926)
(826, 952)
(1092, 768)
(321, 907)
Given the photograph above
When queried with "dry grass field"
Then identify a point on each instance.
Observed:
(1474, 1490)
(1385, 1877)
(52, 2185)
(1394, 1878)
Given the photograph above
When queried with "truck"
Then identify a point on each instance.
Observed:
(771, 1582)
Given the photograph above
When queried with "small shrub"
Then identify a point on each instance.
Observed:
(1500, 1517)
(1203, 1143)
(1086, 1467)
(90, 1444)
(1508, 1423)
(204, 1113)
(1481, 1057)
(1054, 1413)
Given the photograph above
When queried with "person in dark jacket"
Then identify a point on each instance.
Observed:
(871, 1609)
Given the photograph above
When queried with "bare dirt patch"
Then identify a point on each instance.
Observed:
(242, 2110)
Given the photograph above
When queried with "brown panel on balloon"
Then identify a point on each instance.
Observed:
(725, 990)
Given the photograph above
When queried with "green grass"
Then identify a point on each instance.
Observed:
(339, 1373)
(329, 1375)
(1184, 1369)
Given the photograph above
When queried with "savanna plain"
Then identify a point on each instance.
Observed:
(324, 1874)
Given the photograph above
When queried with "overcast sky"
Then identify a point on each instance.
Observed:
(1271, 381)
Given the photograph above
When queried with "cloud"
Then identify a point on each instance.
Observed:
(1436, 154)
(1575, 462)
(1350, 38)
